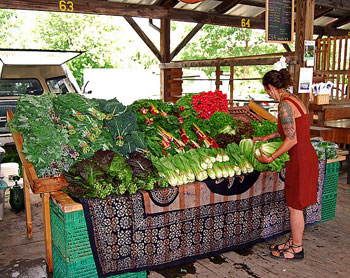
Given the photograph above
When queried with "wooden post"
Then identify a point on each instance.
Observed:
(165, 56)
(231, 83)
(304, 31)
(218, 72)
(26, 189)
(47, 229)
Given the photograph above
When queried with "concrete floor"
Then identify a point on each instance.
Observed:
(326, 248)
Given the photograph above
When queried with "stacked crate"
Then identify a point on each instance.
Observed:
(329, 196)
(71, 250)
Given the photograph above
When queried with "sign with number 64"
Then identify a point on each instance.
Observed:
(245, 23)
(66, 6)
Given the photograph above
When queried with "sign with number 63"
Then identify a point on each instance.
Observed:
(66, 6)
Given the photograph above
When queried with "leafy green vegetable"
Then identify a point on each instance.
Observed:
(265, 128)
(268, 149)
(221, 122)
(247, 148)
(45, 141)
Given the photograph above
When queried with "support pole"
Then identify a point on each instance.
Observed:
(45, 197)
(304, 31)
(231, 83)
(26, 189)
(165, 56)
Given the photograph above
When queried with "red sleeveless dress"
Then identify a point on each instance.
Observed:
(302, 169)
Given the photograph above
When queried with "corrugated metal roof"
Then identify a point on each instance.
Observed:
(324, 20)
(245, 11)
(242, 10)
(346, 26)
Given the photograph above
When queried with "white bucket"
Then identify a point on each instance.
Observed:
(8, 171)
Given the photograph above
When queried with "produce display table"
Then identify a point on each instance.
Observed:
(175, 225)
(42, 186)
(227, 221)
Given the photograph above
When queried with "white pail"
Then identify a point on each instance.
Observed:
(8, 170)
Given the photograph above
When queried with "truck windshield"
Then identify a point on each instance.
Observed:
(60, 85)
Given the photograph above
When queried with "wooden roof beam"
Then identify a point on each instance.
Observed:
(265, 59)
(339, 22)
(286, 47)
(166, 3)
(144, 37)
(254, 3)
(337, 4)
(189, 36)
(322, 11)
(147, 11)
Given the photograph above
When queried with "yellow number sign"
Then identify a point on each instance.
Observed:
(66, 6)
(245, 23)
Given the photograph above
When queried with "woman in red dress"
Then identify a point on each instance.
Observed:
(302, 169)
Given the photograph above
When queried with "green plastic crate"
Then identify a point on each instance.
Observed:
(329, 202)
(69, 233)
(331, 178)
(84, 268)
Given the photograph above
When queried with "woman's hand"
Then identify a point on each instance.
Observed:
(260, 139)
(264, 158)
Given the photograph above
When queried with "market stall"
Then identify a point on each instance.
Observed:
(119, 162)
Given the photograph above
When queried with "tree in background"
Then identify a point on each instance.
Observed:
(8, 22)
(95, 35)
(223, 42)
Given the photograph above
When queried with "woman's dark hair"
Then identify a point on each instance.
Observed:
(280, 79)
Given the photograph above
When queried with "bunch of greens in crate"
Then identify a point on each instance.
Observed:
(107, 172)
(83, 120)
(122, 125)
(45, 142)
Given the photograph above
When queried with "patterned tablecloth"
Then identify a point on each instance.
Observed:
(176, 225)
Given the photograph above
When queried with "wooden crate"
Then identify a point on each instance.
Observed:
(244, 113)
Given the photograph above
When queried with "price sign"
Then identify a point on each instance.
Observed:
(66, 6)
(279, 21)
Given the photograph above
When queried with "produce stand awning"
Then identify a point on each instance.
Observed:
(36, 57)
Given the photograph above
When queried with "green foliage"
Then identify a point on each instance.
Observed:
(144, 59)
(222, 122)
(89, 33)
(221, 42)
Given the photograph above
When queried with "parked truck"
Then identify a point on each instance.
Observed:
(33, 72)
